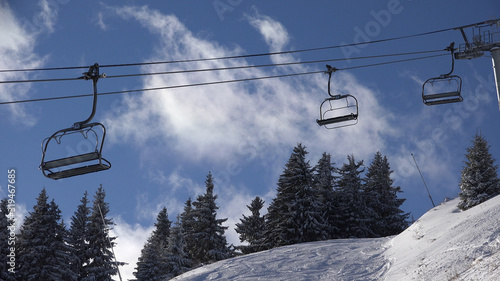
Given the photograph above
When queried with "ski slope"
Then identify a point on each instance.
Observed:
(444, 244)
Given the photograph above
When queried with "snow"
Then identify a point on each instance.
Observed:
(444, 244)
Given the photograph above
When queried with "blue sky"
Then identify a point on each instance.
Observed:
(162, 144)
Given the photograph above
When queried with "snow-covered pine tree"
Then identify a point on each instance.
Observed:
(177, 259)
(5, 252)
(152, 262)
(78, 237)
(294, 216)
(352, 204)
(102, 264)
(251, 228)
(187, 221)
(324, 182)
(208, 232)
(382, 199)
(41, 247)
(479, 180)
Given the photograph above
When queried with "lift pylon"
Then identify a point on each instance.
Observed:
(74, 164)
(485, 38)
(337, 110)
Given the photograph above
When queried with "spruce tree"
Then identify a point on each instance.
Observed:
(6, 228)
(42, 250)
(208, 232)
(78, 237)
(102, 265)
(352, 204)
(152, 262)
(294, 216)
(479, 180)
(177, 259)
(187, 222)
(324, 182)
(251, 228)
(382, 199)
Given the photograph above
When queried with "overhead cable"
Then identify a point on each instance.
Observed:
(210, 83)
(224, 68)
(259, 54)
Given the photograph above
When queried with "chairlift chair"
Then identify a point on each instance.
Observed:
(79, 164)
(432, 89)
(337, 110)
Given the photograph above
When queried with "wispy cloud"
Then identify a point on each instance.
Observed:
(47, 16)
(16, 52)
(217, 123)
(130, 241)
(100, 21)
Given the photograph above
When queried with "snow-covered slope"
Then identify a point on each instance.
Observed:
(444, 244)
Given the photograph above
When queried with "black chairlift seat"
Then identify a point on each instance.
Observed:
(450, 96)
(452, 83)
(66, 167)
(339, 119)
(338, 111)
(84, 163)
(79, 171)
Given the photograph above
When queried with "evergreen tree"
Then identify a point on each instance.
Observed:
(187, 222)
(479, 181)
(177, 259)
(251, 228)
(324, 182)
(208, 232)
(294, 215)
(78, 237)
(6, 226)
(152, 262)
(42, 250)
(102, 265)
(382, 199)
(352, 204)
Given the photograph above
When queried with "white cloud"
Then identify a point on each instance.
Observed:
(221, 123)
(129, 243)
(274, 33)
(16, 52)
(48, 15)
(100, 21)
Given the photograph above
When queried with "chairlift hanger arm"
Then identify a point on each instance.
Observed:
(451, 49)
(329, 71)
(92, 74)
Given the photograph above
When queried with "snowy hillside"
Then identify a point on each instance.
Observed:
(444, 244)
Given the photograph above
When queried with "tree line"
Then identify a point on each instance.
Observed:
(311, 204)
(46, 250)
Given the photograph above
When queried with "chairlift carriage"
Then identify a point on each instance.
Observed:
(337, 110)
(94, 133)
(443, 89)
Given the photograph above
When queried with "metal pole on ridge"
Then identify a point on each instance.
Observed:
(432, 201)
(495, 59)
